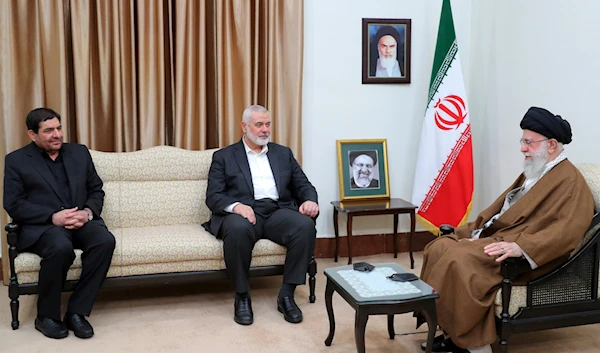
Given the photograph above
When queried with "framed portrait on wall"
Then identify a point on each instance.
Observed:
(386, 50)
(363, 169)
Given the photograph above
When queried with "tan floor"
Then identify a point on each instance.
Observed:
(199, 318)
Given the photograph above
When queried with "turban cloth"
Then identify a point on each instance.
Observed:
(372, 154)
(545, 123)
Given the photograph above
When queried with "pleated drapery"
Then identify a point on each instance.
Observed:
(128, 75)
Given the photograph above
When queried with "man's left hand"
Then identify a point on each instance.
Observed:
(309, 208)
(76, 219)
(503, 249)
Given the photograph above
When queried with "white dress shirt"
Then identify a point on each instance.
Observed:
(262, 175)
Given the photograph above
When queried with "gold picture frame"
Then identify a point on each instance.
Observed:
(363, 169)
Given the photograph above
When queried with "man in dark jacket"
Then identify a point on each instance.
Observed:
(256, 190)
(52, 190)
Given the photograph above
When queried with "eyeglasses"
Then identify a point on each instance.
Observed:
(530, 142)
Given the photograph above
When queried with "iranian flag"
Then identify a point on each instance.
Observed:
(443, 187)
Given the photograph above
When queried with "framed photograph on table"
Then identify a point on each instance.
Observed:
(385, 50)
(363, 169)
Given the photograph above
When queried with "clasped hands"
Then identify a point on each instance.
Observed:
(308, 208)
(72, 218)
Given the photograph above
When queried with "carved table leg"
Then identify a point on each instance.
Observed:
(329, 305)
(391, 326)
(395, 235)
(360, 325)
(410, 236)
(431, 317)
(336, 230)
(349, 231)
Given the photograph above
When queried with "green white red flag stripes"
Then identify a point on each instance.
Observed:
(443, 187)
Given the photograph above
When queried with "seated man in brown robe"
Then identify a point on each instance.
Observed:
(542, 217)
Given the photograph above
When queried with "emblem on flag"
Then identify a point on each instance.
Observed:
(451, 115)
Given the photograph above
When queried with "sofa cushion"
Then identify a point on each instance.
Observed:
(161, 249)
(151, 245)
(518, 299)
(157, 186)
(154, 203)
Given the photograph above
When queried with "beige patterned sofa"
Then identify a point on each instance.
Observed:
(154, 206)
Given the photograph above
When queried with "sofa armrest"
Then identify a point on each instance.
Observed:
(12, 230)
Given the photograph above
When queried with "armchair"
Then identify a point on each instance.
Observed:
(567, 296)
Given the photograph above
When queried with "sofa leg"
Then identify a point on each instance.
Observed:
(13, 293)
(312, 271)
(14, 309)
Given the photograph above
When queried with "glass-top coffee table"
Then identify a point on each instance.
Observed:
(371, 293)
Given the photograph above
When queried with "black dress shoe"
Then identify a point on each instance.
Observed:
(441, 344)
(291, 311)
(51, 328)
(243, 311)
(79, 325)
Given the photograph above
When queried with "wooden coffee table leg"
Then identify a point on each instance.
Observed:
(431, 317)
(395, 235)
(336, 230)
(349, 232)
(360, 325)
(328, 304)
(410, 236)
(391, 326)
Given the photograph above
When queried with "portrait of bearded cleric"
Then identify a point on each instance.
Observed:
(363, 169)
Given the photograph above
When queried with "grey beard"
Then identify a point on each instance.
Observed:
(387, 63)
(533, 168)
(362, 181)
(256, 139)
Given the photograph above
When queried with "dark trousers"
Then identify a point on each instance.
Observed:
(283, 226)
(55, 247)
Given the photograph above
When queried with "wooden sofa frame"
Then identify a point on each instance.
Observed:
(15, 289)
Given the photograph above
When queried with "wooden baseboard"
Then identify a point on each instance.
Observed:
(373, 244)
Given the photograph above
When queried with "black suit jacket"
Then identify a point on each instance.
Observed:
(32, 194)
(230, 181)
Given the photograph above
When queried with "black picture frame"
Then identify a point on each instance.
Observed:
(387, 31)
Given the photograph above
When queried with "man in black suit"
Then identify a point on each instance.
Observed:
(52, 190)
(256, 189)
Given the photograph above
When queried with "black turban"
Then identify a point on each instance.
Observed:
(545, 123)
(386, 31)
(371, 153)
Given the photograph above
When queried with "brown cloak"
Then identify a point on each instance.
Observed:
(547, 222)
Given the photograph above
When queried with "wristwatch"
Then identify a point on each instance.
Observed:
(90, 214)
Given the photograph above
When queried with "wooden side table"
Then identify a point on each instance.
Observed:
(372, 208)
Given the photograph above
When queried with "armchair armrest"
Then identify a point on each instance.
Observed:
(446, 229)
(512, 267)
